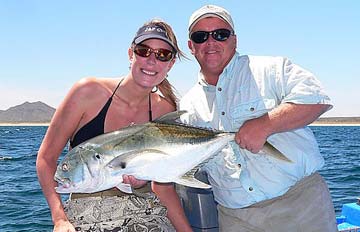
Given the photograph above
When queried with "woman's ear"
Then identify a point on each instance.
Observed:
(131, 54)
(172, 62)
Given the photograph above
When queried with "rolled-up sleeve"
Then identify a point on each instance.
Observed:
(301, 86)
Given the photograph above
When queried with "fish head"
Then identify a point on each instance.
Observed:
(80, 171)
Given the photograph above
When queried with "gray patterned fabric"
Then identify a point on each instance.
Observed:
(118, 213)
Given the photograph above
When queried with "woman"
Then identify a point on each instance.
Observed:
(95, 106)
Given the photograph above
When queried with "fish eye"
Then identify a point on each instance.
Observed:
(123, 165)
(97, 156)
(65, 167)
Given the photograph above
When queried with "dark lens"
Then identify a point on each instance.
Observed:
(164, 54)
(141, 50)
(160, 54)
(199, 36)
(221, 34)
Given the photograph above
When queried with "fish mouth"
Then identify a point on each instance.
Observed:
(74, 185)
(62, 181)
(64, 185)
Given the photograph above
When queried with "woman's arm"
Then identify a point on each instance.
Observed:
(63, 124)
(49, 152)
(169, 198)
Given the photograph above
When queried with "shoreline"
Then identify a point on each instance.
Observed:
(26, 124)
(334, 124)
(312, 124)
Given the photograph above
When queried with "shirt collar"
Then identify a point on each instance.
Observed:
(228, 67)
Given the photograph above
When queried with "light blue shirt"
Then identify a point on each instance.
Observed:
(249, 87)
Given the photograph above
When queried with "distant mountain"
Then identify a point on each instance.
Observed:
(39, 112)
(338, 120)
(28, 112)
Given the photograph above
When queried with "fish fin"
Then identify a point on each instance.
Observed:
(173, 118)
(192, 182)
(188, 179)
(274, 152)
(191, 173)
(170, 117)
(121, 161)
(126, 188)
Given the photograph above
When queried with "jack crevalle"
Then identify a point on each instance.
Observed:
(163, 151)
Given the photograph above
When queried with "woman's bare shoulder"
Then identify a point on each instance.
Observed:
(90, 87)
(87, 92)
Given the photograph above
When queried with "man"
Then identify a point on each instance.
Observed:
(263, 99)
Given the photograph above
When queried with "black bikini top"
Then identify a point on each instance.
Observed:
(96, 126)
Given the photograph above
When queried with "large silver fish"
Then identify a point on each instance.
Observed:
(162, 151)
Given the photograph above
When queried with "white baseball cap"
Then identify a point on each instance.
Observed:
(210, 11)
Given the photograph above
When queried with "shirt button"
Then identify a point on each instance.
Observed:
(252, 109)
(223, 113)
(219, 88)
(251, 189)
(239, 165)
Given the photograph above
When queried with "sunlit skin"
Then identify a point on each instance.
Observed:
(129, 105)
(149, 71)
(212, 55)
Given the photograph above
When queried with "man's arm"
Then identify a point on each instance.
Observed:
(253, 133)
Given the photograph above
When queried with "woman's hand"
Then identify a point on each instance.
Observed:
(135, 183)
(63, 226)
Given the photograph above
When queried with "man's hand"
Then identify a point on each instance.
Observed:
(135, 183)
(252, 134)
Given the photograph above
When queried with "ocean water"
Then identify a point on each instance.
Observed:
(23, 207)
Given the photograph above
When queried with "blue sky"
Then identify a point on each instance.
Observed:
(46, 46)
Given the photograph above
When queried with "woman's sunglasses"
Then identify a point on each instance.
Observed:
(218, 35)
(161, 54)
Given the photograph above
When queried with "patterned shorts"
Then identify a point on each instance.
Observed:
(118, 213)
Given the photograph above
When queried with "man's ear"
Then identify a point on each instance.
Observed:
(191, 47)
(235, 41)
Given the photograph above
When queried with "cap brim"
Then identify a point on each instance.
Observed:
(142, 38)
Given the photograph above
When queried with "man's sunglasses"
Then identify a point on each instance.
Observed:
(161, 54)
(218, 35)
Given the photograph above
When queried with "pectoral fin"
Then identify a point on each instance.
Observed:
(126, 188)
(272, 151)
